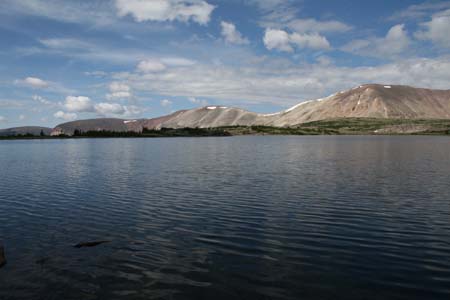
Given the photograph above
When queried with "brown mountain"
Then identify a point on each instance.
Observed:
(366, 101)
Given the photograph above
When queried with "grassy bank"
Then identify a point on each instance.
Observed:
(380, 126)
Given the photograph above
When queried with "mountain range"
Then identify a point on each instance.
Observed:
(365, 101)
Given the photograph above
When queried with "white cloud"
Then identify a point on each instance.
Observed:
(313, 25)
(396, 40)
(119, 90)
(65, 116)
(2, 119)
(166, 10)
(33, 82)
(177, 61)
(78, 104)
(132, 111)
(38, 83)
(64, 43)
(82, 104)
(22, 117)
(231, 35)
(437, 30)
(277, 39)
(109, 109)
(115, 109)
(394, 43)
(166, 102)
(312, 41)
(283, 41)
(150, 65)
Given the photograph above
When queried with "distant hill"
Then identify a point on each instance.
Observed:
(111, 124)
(33, 130)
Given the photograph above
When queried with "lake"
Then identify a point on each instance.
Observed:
(253, 217)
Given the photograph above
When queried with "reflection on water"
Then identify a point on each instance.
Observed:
(226, 218)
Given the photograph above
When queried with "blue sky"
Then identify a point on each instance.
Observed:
(67, 60)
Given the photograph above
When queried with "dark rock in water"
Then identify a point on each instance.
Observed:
(2, 256)
(90, 244)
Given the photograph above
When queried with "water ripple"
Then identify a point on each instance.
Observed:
(226, 218)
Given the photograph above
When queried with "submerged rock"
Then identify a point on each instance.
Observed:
(90, 244)
(2, 256)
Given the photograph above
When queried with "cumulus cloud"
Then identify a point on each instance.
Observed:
(437, 30)
(38, 83)
(283, 41)
(312, 41)
(394, 43)
(78, 104)
(109, 109)
(166, 10)
(81, 104)
(119, 90)
(65, 116)
(132, 111)
(166, 102)
(150, 65)
(231, 35)
(277, 39)
(33, 82)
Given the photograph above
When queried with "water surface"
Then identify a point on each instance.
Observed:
(226, 218)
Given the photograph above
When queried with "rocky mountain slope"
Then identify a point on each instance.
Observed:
(366, 101)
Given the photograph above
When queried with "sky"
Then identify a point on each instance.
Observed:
(62, 60)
